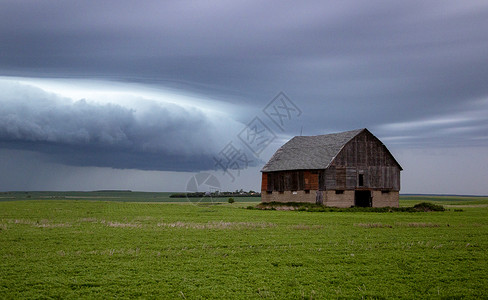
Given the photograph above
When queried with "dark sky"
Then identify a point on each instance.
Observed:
(153, 89)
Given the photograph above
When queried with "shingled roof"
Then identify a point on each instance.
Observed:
(309, 152)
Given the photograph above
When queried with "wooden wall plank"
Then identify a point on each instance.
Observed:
(340, 178)
(351, 176)
(314, 181)
(264, 182)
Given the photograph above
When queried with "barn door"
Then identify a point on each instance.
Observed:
(319, 198)
(362, 198)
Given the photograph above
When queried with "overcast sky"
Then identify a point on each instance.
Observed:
(143, 95)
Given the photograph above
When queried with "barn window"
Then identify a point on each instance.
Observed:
(385, 192)
(269, 192)
(281, 192)
(338, 192)
(361, 180)
(307, 191)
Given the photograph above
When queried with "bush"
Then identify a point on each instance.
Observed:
(231, 200)
(427, 206)
(311, 207)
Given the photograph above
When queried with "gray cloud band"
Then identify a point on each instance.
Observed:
(159, 137)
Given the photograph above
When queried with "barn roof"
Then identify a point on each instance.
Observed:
(309, 152)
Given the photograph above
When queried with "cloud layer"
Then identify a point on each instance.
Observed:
(347, 64)
(148, 135)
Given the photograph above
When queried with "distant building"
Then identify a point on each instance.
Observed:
(351, 168)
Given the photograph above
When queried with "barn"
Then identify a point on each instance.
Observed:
(352, 168)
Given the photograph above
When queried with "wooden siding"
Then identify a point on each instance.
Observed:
(314, 181)
(364, 150)
(333, 178)
(290, 181)
(340, 178)
(364, 155)
(264, 182)
(373, 177)
(307, 180)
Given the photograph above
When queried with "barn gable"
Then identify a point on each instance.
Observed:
(363, 156)
(364, 149)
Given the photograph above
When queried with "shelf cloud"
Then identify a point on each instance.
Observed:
(148, 135)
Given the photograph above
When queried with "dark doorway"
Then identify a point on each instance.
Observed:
(319, 200)
(362, 198)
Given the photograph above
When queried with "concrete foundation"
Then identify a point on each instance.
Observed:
(332, 198)
(346, 199)
(289, 196)
(384, 199)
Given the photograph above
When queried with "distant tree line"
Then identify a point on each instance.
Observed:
(217, 194)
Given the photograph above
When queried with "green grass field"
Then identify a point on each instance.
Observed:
(119, 196)
(87, 248)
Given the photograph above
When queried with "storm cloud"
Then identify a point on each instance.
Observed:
(148, 135)
(402, 60)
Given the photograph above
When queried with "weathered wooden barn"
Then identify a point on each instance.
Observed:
(351, 168)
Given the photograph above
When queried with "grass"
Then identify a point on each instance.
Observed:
(406, 200)
(58, 248)
(118, 196)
